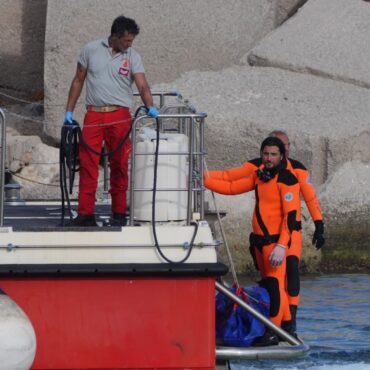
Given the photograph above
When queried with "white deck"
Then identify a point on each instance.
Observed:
(133, 244)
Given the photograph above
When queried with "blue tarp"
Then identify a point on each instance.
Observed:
(234, 325)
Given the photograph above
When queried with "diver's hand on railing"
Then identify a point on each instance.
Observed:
(152, 112)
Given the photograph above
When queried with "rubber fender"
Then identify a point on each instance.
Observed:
(17, 336)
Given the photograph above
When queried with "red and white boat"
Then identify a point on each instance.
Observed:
(107, 297)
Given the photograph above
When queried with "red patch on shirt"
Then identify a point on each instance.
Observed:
(125, 67)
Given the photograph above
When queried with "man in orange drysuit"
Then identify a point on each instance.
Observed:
(275, 217)
(294, 252)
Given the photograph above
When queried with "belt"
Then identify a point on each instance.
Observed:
(261, 240)
(105, 109)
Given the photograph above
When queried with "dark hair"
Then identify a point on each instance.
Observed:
(273, 141)
(122, 24)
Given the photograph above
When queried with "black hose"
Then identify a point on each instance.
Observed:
(67, 159)
(153, 208)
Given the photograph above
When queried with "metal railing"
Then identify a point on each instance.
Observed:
(189, 123)
(2, 165)
(162, 96)
(194, 130)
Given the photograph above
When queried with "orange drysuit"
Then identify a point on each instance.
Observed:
(308, 192)
(275, 216)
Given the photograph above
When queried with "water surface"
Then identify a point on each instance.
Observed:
(334, 320)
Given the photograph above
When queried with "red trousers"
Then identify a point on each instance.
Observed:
(110, 127)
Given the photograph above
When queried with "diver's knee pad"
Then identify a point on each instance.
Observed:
(292, 273)
(272, 286)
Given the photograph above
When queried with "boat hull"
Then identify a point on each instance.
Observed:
(119, 322)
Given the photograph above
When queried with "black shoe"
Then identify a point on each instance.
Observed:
(267, 339)
(289, 327)
(293, 312)
(118, 219)
(83, 220)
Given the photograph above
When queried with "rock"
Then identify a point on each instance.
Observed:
(346, 205)
(348, 182)
(35, 166)
(19, 150)
(317, 114)
(286, 8)
(40, 177)
(26, 119)
(325, 38)
(22, 29)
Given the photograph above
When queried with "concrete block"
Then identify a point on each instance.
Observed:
(175, 36)
(326, 38)
(323, 118)
(22, 29)
(346, 205)
(286, 8)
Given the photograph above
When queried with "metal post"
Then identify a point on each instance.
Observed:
(190, 179)
(132, 171)
(2, 166)
(201, 167)
(161, 101)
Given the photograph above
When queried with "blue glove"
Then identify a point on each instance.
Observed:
(153, 112)
(68, 118)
